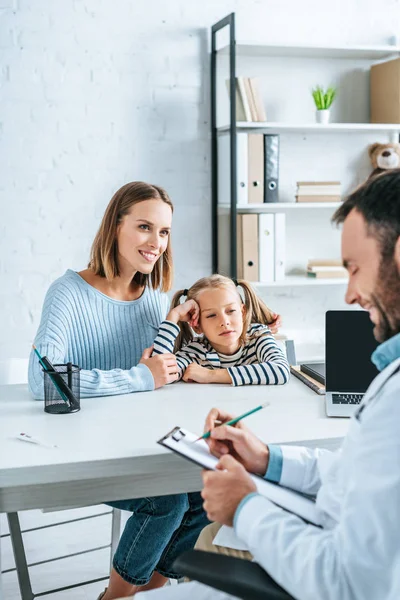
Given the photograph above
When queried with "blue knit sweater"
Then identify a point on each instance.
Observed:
(105, 337)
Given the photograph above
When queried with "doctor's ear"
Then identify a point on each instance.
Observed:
(397, 254)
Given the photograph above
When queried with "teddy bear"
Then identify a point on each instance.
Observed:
(384, 157)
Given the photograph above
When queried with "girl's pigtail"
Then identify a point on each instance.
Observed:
(256, 310)
(185, 335)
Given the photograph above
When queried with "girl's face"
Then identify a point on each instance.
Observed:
(221, 318)
(143, 235)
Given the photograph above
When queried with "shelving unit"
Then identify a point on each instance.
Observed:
(253, 49)
(277, 207)
(312, 127)
(299, 280)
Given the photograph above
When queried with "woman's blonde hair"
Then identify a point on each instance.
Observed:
(104, 252)
(256, 311)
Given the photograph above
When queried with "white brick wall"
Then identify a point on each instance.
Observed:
(96, 93)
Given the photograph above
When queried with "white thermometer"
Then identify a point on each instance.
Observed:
(25, 437)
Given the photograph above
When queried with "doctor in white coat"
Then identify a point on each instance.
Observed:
(354, 556)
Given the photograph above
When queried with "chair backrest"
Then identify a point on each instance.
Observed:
(14, 370)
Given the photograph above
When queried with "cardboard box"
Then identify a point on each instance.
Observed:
(385, 92)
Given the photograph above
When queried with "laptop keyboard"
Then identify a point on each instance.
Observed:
(347, 398)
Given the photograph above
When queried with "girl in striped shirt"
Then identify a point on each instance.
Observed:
(219, 338)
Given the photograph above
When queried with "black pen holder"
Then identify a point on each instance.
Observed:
(62, 389)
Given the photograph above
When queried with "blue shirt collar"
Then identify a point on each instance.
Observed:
(386, 352)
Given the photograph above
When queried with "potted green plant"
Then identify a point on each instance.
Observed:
(323, 101)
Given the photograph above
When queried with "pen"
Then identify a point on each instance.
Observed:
(235, 420)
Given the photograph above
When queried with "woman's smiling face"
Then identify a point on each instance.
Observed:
(143, 235)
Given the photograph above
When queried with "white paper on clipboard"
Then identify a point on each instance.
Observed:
(181, 440)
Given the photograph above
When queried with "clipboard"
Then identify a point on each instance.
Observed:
(180, 441)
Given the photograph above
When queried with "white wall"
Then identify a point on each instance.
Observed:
(96, 93)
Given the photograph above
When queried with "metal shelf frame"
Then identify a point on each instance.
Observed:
(228, 21)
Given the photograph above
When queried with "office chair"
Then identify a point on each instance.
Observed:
(15, 371)
(241, 578)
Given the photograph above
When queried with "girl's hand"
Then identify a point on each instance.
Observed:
(194, 373)
(276, 323)
(187, 312)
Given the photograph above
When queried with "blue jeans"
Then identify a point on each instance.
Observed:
(159, 530)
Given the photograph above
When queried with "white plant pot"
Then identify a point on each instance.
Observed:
(323, 116)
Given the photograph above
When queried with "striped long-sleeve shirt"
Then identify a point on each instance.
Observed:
(105, 337)
(258, 362)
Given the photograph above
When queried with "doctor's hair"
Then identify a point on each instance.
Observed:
(378, 201)
(104, 251)
(256, 311)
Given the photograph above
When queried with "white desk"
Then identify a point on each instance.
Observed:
(108, 450)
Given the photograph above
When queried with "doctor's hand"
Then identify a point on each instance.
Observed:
(238, 441)
(163, 367)
(224, 489)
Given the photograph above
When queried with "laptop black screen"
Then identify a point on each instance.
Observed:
(349, 343)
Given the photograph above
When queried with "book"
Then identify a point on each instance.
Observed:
(319, 198)
(240, 113)
(324, 267)
(181, 441)
(314, 385)
(318, 191)
(316, 183)
(316, 371)
(318, 188)
(325, 262)
(250, 98)
(245, 100)
(259, 105)
(327, 273)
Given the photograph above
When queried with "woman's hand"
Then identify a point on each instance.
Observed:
(187, 312)
(194, 373)
(276, 323)
(163, 367)
(238, 441)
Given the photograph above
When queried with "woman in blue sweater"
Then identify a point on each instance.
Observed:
(105, 319)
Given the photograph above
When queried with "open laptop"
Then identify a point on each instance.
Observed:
(349, 343)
